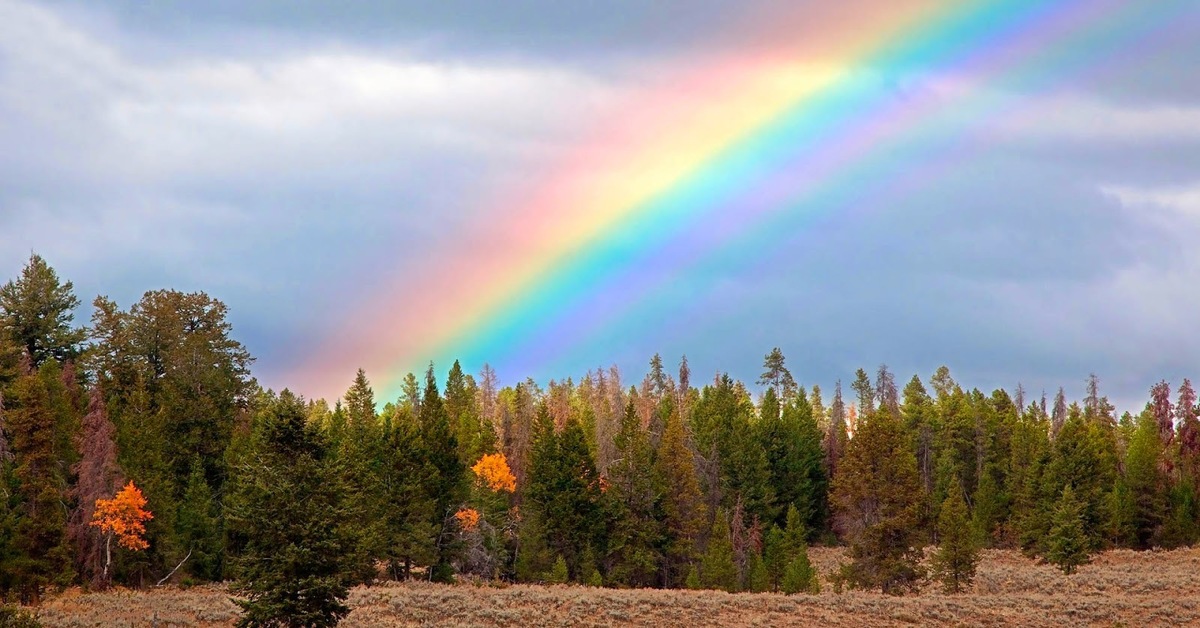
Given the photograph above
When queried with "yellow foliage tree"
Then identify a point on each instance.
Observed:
(492, 470)
(123, 517)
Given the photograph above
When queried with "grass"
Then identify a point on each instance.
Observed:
(1118, 588)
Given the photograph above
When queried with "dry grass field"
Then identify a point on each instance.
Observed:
(1119, 588)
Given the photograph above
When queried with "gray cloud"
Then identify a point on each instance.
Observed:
(288, 158)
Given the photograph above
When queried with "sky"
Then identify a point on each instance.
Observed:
(554, 187)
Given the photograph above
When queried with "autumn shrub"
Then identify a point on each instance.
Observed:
(16, 617)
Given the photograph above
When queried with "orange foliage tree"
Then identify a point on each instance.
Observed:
(493, 471)
(123, 517)
(468, 518)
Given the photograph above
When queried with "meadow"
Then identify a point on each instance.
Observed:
(1118, 588)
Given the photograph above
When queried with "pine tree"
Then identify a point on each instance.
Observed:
(287, 525)
(777, 376)
(1068, 546)
(877, 498)
(955, 559)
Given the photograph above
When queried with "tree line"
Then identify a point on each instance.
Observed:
(662, 483)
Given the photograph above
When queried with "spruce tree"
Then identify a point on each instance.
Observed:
(717, 568)
(797, 574)
(199, 526)
(447, 481)
(633, 493)
(957, 554)
(40, 540)
(287, 524)
(1068, 545)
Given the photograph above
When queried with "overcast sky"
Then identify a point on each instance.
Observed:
(288, 158)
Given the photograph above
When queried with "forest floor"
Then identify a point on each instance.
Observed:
(1119, 588)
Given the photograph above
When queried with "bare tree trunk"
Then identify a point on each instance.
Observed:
(168, 576)
(107, 555)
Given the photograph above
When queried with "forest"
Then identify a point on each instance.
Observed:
(138, 450)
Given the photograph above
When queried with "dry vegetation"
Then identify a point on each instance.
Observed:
(1118, 588)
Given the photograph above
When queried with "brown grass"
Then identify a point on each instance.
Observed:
(1118, 588)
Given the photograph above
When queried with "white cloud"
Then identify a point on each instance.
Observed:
(75, 103)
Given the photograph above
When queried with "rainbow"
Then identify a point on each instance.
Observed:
(765, 146)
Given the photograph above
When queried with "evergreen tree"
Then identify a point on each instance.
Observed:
(1068, 546)
(564, 490)
(633, 492)
(40, 540)
(920, 420)
(877, 498)
(288, 526)
(682, 505)
(777, 376)
(956, 557)
(836, 436)
(357, 452)
(717, 568)
(447, 484)
(793, 448)
(199, 526)
(37, 312)
(407, 528)
(866, 394)
(1144, 485)
(797, 574)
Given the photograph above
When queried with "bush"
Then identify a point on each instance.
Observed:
(12, 616)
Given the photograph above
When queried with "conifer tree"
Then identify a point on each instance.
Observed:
(1144, 483)
(866, 393)
(1068, 545)
(37, 312)
(287, 524)
(798, 574)
(40, 540)
(564, 490)
(877, 498)
(407, 517)
(199, 525)
(633, 492)
(447, 483)
(955, 559)
(717, 568)
(835, 436)
(682, 506)
(777, 376)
